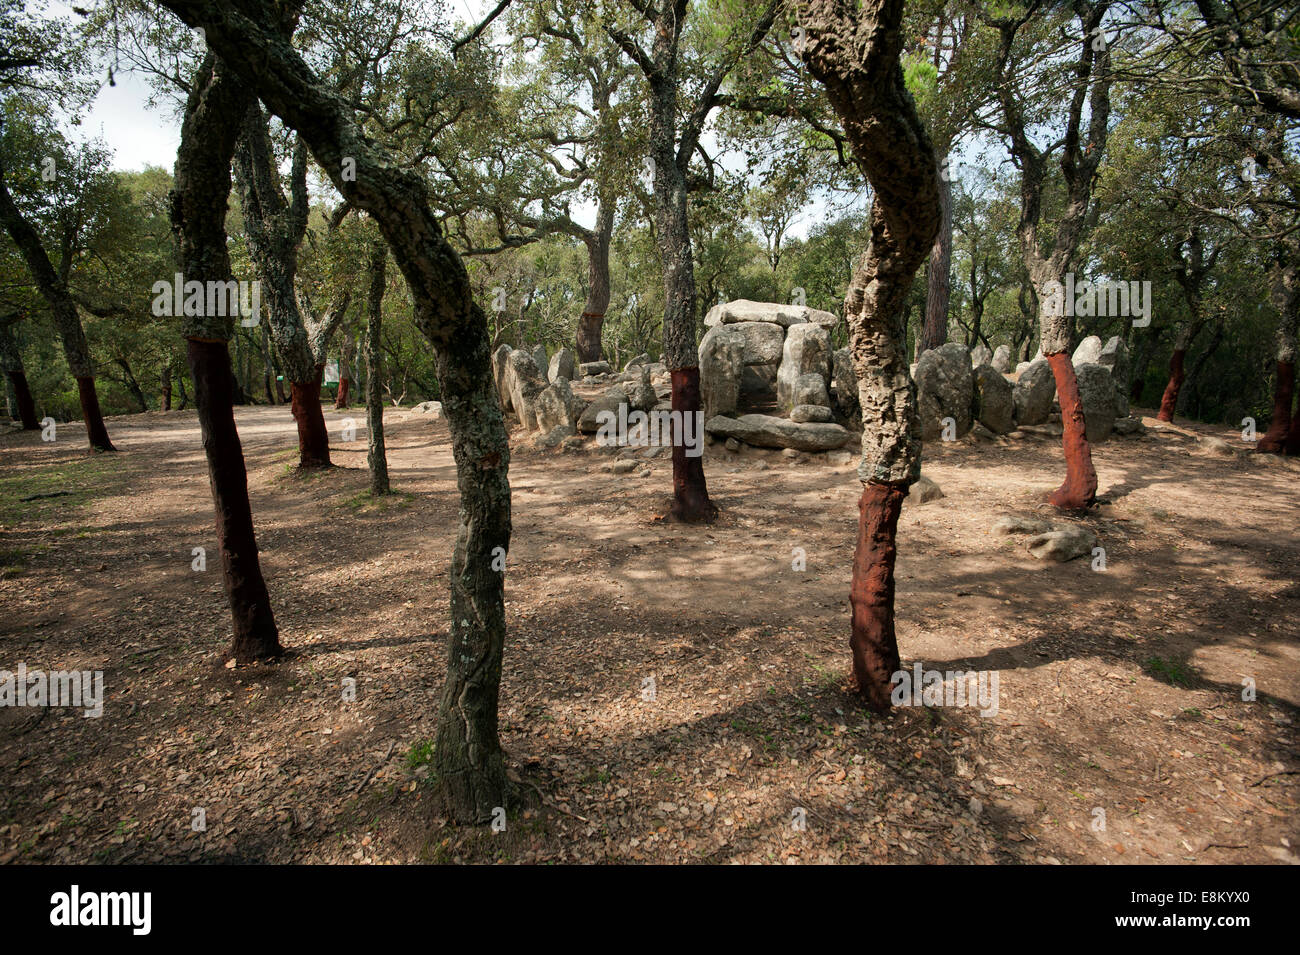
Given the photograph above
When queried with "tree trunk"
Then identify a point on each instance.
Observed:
(345, 371)
(1274, 440)
(198, 205)
(313, 437)
(165, 399)
(11, 360)
(938, 275)
(132, 385)
(376, 456)
(63, 311)
(468, 761)
(1293, 434)
(691, 502)
(1141, 359)
(1080, 487)
(873, 642)
(592, 321)
(275, 228)
(690, 494)
(855, 54)
(255, 634)
(23, 397)
(94, 418)
(1169, 400)
(1282, 433)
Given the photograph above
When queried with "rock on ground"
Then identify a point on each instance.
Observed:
(995, 400)
(945, 388)
(845, 382)
(1114, 356)
(807, 351)
(1097, 393)
(557, 406)
(1002, 359)
(744, 310)
(588, 422)
(524, 382)
(563, 365)
(764, 431)
(1062, 543)
(924, 490)
(1088, 352)
(806, 413)
(1033, 393)
(1012, 524)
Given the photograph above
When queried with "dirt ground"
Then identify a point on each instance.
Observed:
(1121, 737)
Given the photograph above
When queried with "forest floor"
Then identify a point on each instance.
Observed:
(1121, 734)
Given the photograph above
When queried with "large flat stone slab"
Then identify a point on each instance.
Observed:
(764, 431)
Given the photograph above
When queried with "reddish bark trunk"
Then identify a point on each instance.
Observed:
(255, 633)
(26, 407)
(1080, 487)
(313, 438)
(341, 401)
(690, 492)
(94, 418)
(588, 341)
(1176, 375)
(873, 642)
(1281, 427)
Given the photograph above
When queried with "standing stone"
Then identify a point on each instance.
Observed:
(557, 406)
(807, 351)
(995, 400)
(641, 359)
(845, 380)
(500, 371)
(563, 365)
(722, 361)
(980, 355)
(1097, 395)
(640, 393)
(1088, 352)
(945, 388)
(1033, 393)
(539, 359)
(810, 389)
(1114, 356)
(524, 382)
(1002, 359)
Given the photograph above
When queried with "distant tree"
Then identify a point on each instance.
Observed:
(680, 103)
